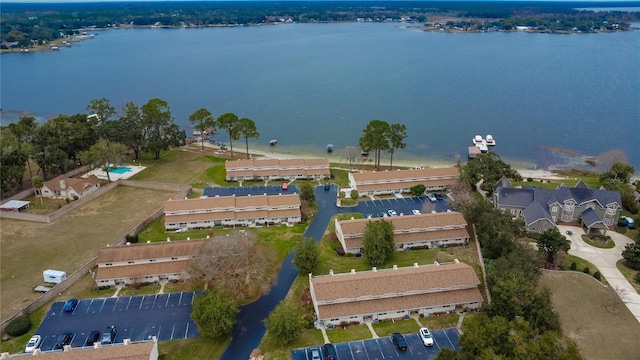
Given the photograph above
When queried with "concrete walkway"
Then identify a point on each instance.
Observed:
(374, 335)
(605, 260)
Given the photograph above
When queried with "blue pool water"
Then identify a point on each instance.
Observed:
(120, 170)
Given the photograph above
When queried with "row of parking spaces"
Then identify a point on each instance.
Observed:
(400, 206)
(384, 348)
(248, 190)
(165, 316)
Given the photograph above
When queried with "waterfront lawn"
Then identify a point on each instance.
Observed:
(185, 165)
(340, 177)
(603, 317)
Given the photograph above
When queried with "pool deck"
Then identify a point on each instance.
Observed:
(101, 174)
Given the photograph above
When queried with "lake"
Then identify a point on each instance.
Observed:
(547, 99)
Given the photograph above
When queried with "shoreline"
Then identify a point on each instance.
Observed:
(334, 157)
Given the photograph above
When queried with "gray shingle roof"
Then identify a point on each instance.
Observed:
(590, 218)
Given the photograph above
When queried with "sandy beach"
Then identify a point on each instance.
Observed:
(334, 157)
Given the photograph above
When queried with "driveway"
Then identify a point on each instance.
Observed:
(605, 260)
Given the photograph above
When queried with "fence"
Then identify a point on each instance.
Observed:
(185, 190)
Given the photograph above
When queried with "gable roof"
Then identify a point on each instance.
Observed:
(149, 251)
(365, 284)
(536, 212)
(590, 218)
(77, 184)
(133, 351)
(407, 175)
(407, 222)
(393, 289)
(504, 182)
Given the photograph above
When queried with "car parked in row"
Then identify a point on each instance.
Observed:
(33, 344)
(315, 354)
(426, 337)
(70, 305)
(63, 339)
(109, 336)
(93, 337)
(330, 352)
(399, 341)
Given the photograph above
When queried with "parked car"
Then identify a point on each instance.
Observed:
(330, 352)
(438, 196)
(315, 354)
(33, 343)
(399, 341)
(415, 212)
(109, 336)
(93, 337)
(70, 305)
(392, 212)
(63, 339)
(432, 198)
(425, 335)
(627, 221)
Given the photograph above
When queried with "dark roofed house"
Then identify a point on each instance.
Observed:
(394, 293)
(542, 208)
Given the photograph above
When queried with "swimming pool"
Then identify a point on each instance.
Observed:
(120, 169)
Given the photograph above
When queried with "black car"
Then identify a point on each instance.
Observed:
(92, 337)
(63, 339)
(399, 341)
(330, 352)
(109, 336)
(439, 196)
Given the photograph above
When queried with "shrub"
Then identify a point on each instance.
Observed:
(132, 238)
(597, 275)
(19, 326)
(637, 278)
(586, 270)
(529, 179)
(574, 266)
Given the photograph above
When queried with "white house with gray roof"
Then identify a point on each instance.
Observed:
(542, 208)
(394, 293)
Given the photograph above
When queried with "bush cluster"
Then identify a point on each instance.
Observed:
(19, 326)
(597, 275)
(586, 270)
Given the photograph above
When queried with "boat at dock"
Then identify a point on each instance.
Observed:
(477, 140)
(490, 141)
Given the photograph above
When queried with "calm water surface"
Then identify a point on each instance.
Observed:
(312, 84)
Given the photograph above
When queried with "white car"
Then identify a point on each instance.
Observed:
(392, 213)
(427, 338)
(33, 344)
(415, 212)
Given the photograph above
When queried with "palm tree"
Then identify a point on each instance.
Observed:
(247, 129)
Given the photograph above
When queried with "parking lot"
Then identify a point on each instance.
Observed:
(383, 348)
(166, 316)
(404, 206)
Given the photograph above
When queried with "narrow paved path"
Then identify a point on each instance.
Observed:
(605, 260)
(249, 329)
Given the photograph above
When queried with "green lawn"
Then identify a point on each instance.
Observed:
(443, 321)
(629, 273)
(358, 332)
(16, 345)
(401, 326)
(607, 244)
(202, 347)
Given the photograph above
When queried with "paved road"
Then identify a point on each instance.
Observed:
(605, 260)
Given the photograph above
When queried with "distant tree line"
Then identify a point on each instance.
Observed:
(31, 24)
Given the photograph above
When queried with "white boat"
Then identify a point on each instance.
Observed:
(272, 142)
(490, 141)
(483, 148)
(477, 140)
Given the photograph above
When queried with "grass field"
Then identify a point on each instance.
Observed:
(29, 248)
(593, 316)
